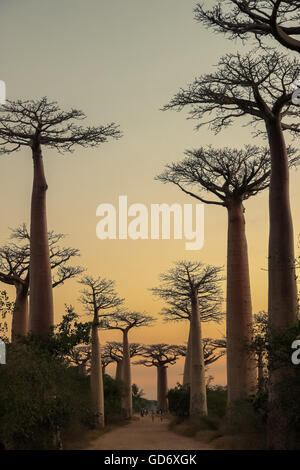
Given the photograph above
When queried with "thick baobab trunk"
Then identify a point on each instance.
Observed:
(283, 308)
(241, 367)
(126, 373)
(20, 313)
(187, 362)
(41, 299)
(198, 402)
(162, 388)
(96, 377)
(119, 369)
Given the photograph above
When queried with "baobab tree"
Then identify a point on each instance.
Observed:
(98, 296)
(105, 360)
(279, 19)
(229, 177)
(124, 321)
(36, 124)
(178, 310)
(14, 270)
(193, 284)
(260, 86)
(114, 350)
(81, 357)
(160, 356)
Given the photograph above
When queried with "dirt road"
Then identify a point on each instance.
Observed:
(143, 434)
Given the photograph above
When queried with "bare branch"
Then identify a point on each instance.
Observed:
(159, 355)
(26, 123)
(15, 257)
(114, 350)
(99, 294)
(177, 285)
(259, 18)
(125, 320)
(257, 86)
(225, 173)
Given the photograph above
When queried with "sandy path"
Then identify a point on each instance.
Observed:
(142, 434)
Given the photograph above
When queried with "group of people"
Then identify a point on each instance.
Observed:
(146, 412)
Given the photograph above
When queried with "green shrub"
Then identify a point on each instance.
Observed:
(113, 392)
(179, 400)
(216, 401)
(179, 403)
(138, 402)
(38, 395)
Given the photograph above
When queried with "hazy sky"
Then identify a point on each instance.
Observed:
(121, 61)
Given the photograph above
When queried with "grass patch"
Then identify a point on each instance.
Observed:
(211, 429)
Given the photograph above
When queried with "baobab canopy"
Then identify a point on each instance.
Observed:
(22, 122)
(256, 86)
(216, 175)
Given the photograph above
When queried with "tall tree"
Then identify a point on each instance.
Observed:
(14, 270)
(178, 310)
(36, 124)
(81, 357)
(195, 284)
(229, 177)
(259, 18)
(160, 356)
(114, 350)
(260, 86)
(98, 295)
(124, 321)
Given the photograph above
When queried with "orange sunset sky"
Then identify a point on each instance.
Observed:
(122, 61)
